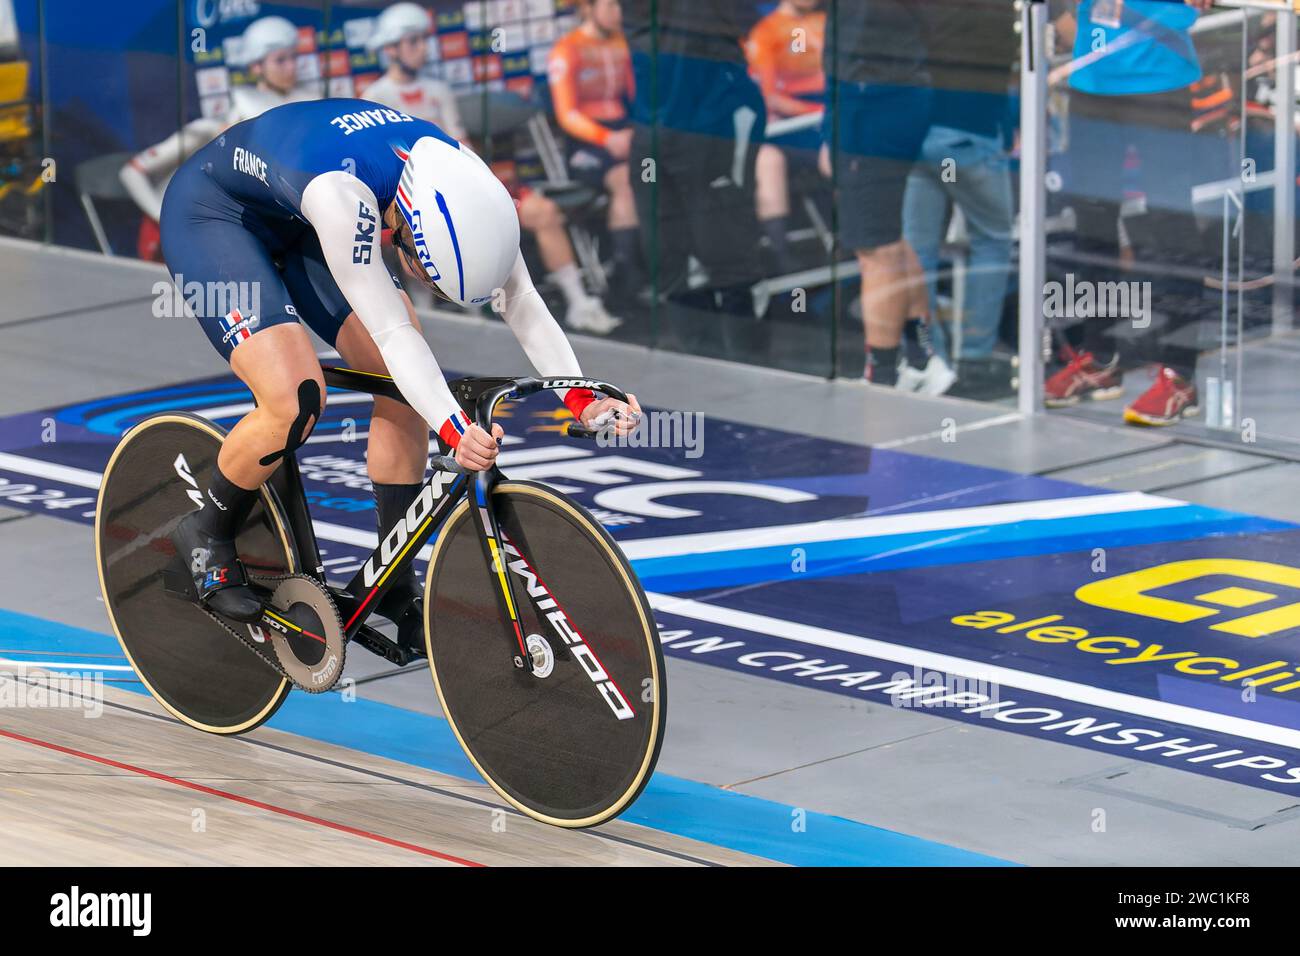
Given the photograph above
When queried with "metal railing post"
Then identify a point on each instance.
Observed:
(1033, 201)
(1284, 156)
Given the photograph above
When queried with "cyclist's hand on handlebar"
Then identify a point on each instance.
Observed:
(610, 414)
(477, 450)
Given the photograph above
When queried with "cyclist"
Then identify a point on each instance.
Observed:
(288, 209)
(268, 50)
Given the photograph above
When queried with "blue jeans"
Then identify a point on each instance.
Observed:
(982, 189)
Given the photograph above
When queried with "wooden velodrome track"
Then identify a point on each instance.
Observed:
(134, 787)
(753, 769)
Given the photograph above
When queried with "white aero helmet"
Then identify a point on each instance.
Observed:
(397, 21)
(464, 230)
(263, 37)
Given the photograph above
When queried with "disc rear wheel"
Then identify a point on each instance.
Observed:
(196, 670)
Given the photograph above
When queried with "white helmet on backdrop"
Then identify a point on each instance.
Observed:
(464, 230)
(263, 37)
(397, 21)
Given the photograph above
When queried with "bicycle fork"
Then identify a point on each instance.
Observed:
(498, 563)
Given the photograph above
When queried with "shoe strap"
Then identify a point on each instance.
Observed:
(219, 578)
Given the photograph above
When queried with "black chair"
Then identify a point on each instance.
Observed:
(97, 179)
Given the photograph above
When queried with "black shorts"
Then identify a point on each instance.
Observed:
(881, 132)
(703, 195)
(589, 163)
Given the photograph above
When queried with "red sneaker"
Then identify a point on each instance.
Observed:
(1083, 378)
(1170, 398)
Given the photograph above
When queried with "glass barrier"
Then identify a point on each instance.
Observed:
(1165, 298)
(24, 176)
(923, 103)
(797, 184)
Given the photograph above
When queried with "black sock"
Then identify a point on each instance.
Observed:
(627, 256)
(916, 340)
(882, 366)
(226, 507)
(778, 256)
(391, 503)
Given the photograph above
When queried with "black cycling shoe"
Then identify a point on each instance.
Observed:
(222, 586)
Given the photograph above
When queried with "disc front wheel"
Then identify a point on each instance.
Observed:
(573, 741)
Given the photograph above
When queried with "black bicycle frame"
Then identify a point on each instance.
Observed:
(444, 489)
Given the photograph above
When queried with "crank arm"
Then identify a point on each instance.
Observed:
(387, 648)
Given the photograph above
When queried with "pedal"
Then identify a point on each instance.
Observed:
(178, 583)
(382, 646)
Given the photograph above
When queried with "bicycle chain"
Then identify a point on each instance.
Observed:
(271, 582)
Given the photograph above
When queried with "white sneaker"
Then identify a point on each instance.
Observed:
(938, 375)
(909, 379)
(935, 379)
(589, 315)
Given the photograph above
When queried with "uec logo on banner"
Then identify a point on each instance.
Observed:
(1131, 594)
(209, 12)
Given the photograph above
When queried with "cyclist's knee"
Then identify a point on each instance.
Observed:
(292, 410)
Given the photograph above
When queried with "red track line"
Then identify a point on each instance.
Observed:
(283, 811)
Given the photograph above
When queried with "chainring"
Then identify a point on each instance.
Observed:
(300, 636)
(304, 626)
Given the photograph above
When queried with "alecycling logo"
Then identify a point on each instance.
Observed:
(1173, 645)
(1131, 594)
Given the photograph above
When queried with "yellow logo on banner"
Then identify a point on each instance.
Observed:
(1130, 593)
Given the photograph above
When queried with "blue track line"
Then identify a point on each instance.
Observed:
(687, 808)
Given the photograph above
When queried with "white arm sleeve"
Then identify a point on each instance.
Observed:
(146, 175)
(543, 341)
(341, 208)
(141, 188)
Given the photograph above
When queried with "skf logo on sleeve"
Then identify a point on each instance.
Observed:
(364, 240)
(1132, 594)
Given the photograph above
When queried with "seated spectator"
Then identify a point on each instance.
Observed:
(590, 77)
(268, 49)
(1134, 157)
(698, 120)
(785, 57)
(401, 33)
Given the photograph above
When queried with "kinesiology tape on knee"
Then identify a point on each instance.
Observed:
(309, 408)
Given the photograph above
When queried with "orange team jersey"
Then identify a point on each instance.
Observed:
(591, 84)
(783, 61)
